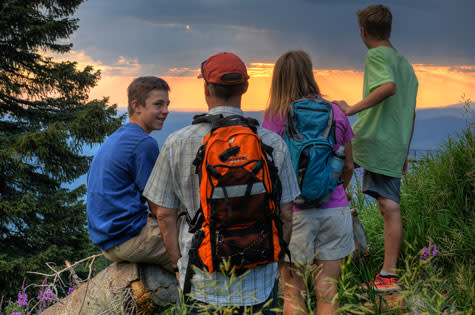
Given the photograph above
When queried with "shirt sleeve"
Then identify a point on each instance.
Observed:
(377, 69)
(145, 155)
(290, 187)
(348, 133)
(160, 188)
(343, 131)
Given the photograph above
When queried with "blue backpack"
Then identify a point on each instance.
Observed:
(310, 136)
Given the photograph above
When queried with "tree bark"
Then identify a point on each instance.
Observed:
(121, 288)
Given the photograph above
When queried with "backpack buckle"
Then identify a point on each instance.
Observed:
(196, 222)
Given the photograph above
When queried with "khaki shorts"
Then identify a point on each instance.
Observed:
(146, 247)
(322, 234)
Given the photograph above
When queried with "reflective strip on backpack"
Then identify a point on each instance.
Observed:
(238, 190)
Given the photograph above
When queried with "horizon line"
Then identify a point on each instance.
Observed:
(193, 110)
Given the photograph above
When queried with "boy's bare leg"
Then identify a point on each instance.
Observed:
(391, 212)
(294, 287)
(326, 286)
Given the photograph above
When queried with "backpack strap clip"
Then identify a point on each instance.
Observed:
(193, 259)
(199, 159)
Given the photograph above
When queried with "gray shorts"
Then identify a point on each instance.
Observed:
(322, 234)
(378, 185)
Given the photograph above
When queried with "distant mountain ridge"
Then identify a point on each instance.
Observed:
(457, 110)
(433, 125)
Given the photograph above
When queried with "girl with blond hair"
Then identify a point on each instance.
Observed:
(322, 235)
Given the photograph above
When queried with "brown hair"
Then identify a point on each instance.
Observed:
(140, 88)
(376, 20)
(225, 92)
(292, 79)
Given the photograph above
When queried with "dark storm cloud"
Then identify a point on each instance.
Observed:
(156, 32)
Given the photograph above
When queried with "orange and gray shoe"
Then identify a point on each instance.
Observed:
(383, 284)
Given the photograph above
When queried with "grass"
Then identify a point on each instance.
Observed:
(437, 207)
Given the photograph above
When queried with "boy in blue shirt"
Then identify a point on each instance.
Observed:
(383, 131)
(119, 221)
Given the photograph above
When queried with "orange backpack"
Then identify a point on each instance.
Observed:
(240, 195)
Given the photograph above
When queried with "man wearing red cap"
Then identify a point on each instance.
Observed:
(173, 182)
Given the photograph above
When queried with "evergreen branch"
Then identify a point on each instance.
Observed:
(45, 121)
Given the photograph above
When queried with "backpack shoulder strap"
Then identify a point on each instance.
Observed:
(290, 128)
(219, 120)
(206, 118)
(330, 125)
(236, 120)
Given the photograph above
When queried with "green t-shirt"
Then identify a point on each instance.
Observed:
(382, 132)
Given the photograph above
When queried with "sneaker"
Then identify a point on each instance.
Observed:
(383, 284)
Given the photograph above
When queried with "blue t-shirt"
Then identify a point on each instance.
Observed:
(116, 209)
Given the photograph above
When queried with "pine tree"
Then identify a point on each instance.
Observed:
(46, 120)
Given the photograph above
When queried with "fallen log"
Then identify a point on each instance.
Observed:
(121, 288)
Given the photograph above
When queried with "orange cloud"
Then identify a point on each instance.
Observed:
(122, 67)
(438, 85)
(340, 84)
(444, 85)
(186, 93)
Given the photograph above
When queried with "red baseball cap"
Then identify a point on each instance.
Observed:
(224, 68)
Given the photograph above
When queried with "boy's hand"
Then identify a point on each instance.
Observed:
(381, 93)
(345, 108)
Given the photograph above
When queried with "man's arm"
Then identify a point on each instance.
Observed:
(286, 216)
(381, 93)
(167, 222)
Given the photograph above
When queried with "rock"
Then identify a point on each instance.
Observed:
(121, 288)
(359, 236)
(153, 279)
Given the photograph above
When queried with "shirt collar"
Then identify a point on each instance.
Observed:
(225, 110)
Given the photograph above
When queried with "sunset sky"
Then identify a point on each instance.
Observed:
(170, 39)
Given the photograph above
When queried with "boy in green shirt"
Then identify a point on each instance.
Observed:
(384, 130)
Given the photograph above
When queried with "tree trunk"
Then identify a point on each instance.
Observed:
(121, 288)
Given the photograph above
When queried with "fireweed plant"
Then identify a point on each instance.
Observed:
(24, 306)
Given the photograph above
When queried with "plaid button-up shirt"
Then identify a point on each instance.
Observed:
(173, 182)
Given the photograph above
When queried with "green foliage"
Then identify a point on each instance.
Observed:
(46, 121)
(437, 207)
(438, 201)
(427, 290)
